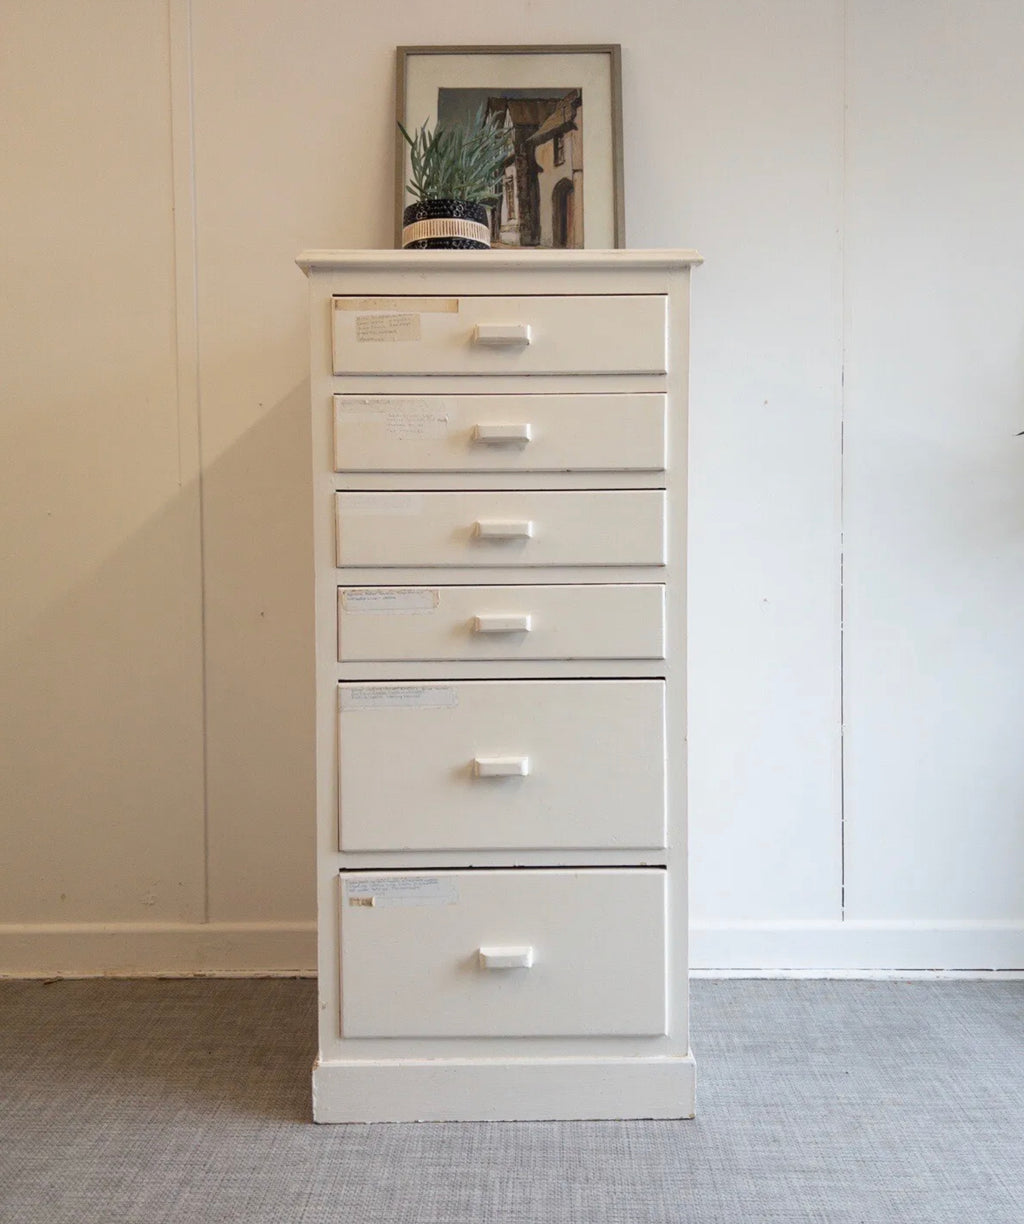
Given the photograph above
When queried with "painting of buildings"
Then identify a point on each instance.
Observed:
(541, 201)
(558, 152)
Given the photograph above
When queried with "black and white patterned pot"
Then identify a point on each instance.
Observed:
(445, 225)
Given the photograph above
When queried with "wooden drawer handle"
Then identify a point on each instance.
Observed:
(506, 958)
(519, 622)
(501, 767)
(499, 435)
(502, 335)
(503, 529)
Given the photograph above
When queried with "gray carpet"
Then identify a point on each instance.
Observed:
(839, 1102)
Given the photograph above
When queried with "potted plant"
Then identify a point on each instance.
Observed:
(456, 172)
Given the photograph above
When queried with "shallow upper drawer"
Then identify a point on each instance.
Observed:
(614, 621)
(500, 335)
(499, 433)
(608, 527)
(504, 953)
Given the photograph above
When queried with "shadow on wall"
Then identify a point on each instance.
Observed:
(105, 712)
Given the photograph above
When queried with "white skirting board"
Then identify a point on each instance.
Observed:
(857, 946)
(256, 948)
(235, 949)
(468, 1090)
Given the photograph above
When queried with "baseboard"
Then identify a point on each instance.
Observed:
(468, 1090)
(177, 949)
(246, 949)
(859, 975)
(831, 948)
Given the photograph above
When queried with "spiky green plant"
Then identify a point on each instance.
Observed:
(458, 162)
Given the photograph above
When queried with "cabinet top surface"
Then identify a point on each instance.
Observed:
(398, 260)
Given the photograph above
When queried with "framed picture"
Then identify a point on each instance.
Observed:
(562, 108)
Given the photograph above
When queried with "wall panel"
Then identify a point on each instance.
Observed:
(101, 653)
(935, 475)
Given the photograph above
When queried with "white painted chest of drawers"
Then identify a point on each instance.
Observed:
(499, 492)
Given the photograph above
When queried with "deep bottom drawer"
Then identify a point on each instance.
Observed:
(499, 764)
(504, 953)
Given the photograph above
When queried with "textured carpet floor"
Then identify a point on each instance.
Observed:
(839, 1102)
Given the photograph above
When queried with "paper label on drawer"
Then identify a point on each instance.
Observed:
(362, 505)
(422, 305)
(401, 890)
(387, 327)
(390, 599)
(396, 697)
(403, 419)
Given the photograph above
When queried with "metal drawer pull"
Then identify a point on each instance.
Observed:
(502, 335)
(517, 623)
(503, 529)
(495, 435)
(501, 767)
(506, 958)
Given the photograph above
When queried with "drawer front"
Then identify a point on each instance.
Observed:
(522, 764)
(613, 621)
(500, 335)
(504, 953)
(499, 433)
(487, 528)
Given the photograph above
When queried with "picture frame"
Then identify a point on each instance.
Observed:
(539, 93)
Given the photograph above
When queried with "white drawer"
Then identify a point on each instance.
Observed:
(621, 527)
(499, 433)
(521, 764)
(607, 621)
(434, 955)
(500, 335)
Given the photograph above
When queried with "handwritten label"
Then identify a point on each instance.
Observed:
(387, 328)
(409, 418)
(399, 305)
(401, 890)
(390, 599)
(362, 505)
(396, 697)
(403, 419)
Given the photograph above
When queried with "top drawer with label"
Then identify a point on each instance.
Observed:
(581, 334)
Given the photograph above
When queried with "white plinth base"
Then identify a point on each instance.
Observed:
(525, 1090)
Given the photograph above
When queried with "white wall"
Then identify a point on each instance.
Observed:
(935, 481)
(101, 654)
(853, 175)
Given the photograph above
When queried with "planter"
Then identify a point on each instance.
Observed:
(445, 225)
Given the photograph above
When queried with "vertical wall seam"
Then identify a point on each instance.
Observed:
(842, 462)
(190, 448)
